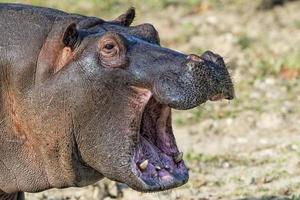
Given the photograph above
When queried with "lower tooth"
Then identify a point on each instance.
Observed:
(178, 157)
(157, 168)
(144, 165)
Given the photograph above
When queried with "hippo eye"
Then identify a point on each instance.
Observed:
(112, 50)
(109, 46)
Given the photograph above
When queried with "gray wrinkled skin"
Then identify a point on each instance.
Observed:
(82, 98)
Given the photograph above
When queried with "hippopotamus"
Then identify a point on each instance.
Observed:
(82, 98)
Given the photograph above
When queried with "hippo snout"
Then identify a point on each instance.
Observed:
(197, 80)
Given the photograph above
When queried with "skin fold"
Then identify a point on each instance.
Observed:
(82, 98)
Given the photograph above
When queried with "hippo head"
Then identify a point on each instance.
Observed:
(103, 108)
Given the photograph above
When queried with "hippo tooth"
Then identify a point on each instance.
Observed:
(178, 157)
(144, 164)
(157, 167)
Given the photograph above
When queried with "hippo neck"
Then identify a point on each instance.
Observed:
(14, 145)
(18, 142)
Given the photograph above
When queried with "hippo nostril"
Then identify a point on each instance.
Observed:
(194, 58)
(230, 97)
(221, 96)
(217, 97)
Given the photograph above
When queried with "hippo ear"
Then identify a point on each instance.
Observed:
(57, 52)
(126, 18)
(71, 36)
(71, 40)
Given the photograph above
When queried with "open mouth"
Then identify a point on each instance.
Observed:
(157, 161)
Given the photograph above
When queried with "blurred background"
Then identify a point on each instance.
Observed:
(245, 149)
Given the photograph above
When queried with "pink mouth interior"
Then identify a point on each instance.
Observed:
(157, 145)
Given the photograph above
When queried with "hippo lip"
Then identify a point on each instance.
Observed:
(157, 161)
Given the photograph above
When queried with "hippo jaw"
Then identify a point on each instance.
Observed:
(157, 162)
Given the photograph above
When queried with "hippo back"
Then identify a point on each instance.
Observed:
(23, 32)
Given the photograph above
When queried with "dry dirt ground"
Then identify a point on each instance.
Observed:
(245, 149)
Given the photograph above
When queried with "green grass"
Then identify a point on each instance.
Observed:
(106, 8)
(111, 7)
(100, 8)
(276, 174)
(245, 42)
(272, 66)
(210, 160)
(292, 60)
(297, 24)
